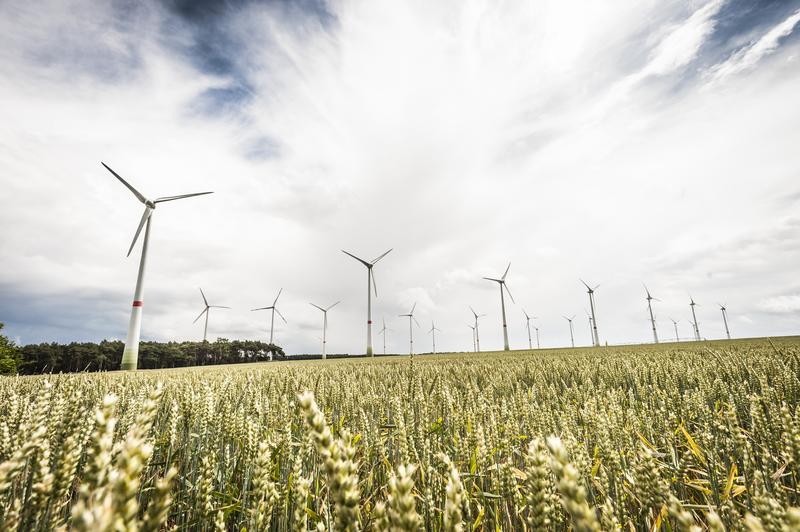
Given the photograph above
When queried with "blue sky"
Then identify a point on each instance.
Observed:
(622, 142)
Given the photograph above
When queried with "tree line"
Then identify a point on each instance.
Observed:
(106, 355)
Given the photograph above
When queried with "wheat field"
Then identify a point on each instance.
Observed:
(670, 437)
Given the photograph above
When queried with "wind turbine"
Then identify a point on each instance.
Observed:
(675, 324)
(324, 326)
(694, 317)
(650, 309)
(528, 325)
(725, 319)
(502, 282)
(571, 336)
(474, 346)
(591, 330)
(274, 309)
(206, 311)
(130, 356)
(590, 290)
(535, 328)
(433, 332)
(477, 333)
(383, 332)
(370, 281)
(410, 317)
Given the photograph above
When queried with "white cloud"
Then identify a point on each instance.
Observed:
(785, 304)
(747, 58)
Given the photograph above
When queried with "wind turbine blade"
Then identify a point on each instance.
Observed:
(509, 293)
(276, 298)
(473, 311)
(412, 308)
(145, 216)
(201, 315)
(172, 198)
(333, 305)
(317, 306)
(260, 308)
(362, 261)
(506, 273)
(204, 297)
(596, 287)
(415, 320)
(379, 258)
(526, 314)
(495, 280)
(584, 284)
(218, 306)
(374, 284)
(281, 315)
(128, 185)
(573, 317)
(648, 291)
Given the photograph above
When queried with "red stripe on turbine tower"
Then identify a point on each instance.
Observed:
(369, 321)
(138, 303)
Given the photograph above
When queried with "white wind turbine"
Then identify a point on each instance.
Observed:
(433, 337)
(650, 309)
(724, 310)
(692, 304)
(206, 311)
(474, 346)
(130, 356)
(274, 309)
(590, 290)
(571, 336)
(370, 281)
(383, 332)
(675, 324)
(502, 282)
(476, 329)
(324, 326)
(535, 328)
(528, 325)
(410, 317)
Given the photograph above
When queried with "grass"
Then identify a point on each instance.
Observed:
(656, 437)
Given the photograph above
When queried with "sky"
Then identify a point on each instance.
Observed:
(621, 142)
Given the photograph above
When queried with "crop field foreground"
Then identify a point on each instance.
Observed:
(690, 436)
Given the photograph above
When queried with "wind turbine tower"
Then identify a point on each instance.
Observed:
(383, 332)
(692, 304)
(477, 333)
(274, 309)
(502, 282)
(474, 347)
(206, 311)
(130, 356)
(370, 281)
(411, 317)
(433, 337)
(324, 326)
(725, 320)
(650, 309)
(528, 325)
(571, 336)
(590, 290)
(675, 324)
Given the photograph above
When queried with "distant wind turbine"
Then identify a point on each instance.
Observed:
(410, 317)
(650, 309)
(595, 337)
(206, 311)
(675, 324)
(324, 326)
(274, 309)
(383, 332)
(130, 356)
(433, 337)
(535, 328)
(571, 336)
(591, 330)
(502, 282)
(694, 318)
(528, 325)
(477, 332)
(370, 281)
(725, 319)
(474, 346)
